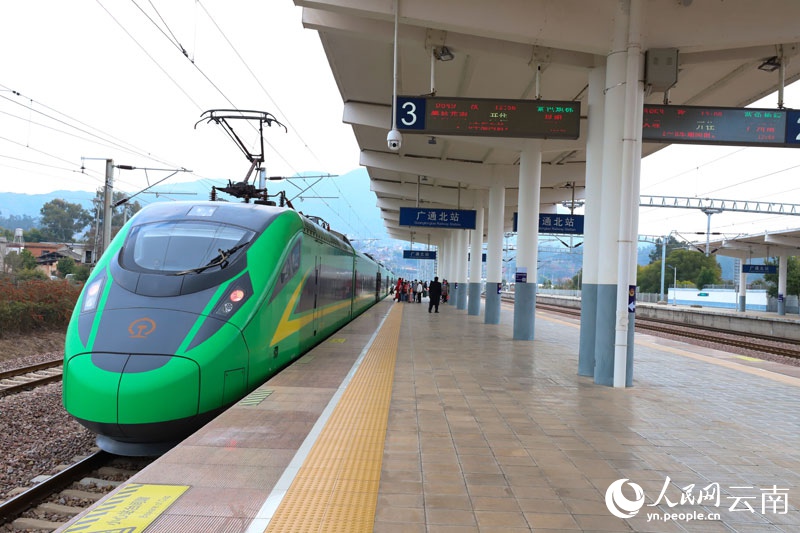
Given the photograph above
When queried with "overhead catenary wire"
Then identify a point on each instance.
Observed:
(169, 33)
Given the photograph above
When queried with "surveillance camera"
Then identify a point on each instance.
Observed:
(394, 140)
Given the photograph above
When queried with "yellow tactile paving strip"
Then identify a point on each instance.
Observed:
(336, 489)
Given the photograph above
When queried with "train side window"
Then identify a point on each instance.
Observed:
(290, 267)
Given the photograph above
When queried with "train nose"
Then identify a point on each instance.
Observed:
(114, 393)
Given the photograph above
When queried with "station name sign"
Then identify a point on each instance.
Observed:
(419, 254)
(720, 125)
(554, 224)
(437, 218)
(760, 269)
(486, 117)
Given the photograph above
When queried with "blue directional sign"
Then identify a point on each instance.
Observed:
(555, 224)
(419, 254)
(760, 269)
(437, 218)
(792, 126)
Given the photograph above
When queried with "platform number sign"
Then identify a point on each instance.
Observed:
(488, 117)
(410, 113)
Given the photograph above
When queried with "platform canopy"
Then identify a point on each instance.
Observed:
(496, 49)
(767, 244)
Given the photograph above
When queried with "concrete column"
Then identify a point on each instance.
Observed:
(591, 221)
(461, 274)
(475, 263)
(530, 183)
(742, 288)
(783, 263)
(627, 243)
(451, 266)
(616, 66)
(494, 252)
(437, 266)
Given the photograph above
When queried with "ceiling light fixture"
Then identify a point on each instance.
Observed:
(770, 65)
(443, 54)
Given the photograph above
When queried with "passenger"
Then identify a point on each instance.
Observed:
(398, 290)
(419, 292)
(434, 293)
(445, 291)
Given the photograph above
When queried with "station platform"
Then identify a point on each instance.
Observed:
(409, 421)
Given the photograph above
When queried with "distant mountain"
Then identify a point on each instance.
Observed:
(345, 201)
(18, 204)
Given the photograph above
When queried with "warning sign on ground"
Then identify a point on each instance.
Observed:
(130, 510)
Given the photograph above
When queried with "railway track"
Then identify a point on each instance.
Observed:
(22, 378)
(756, 343)
(56, 499)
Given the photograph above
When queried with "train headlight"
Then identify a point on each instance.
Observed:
(92, 295)
(238, 293)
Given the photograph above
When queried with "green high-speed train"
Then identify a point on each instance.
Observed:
(194, 305)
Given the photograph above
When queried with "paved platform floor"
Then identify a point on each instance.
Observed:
(490, 434)
(486, 434)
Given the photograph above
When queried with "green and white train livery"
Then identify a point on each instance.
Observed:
(194, 305)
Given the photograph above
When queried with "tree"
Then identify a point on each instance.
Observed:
(20, 262)
(648, 278)
(690, 266)
(33, 235)
(119, 215)
(707, 277)
(65, 265)
(62, 219)
(792, 277)
(577, 280)
(82, 273)
(13, 222)
(672, 244)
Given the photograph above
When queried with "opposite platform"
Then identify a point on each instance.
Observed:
(485, 433)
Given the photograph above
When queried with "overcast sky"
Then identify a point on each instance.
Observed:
(102, 79)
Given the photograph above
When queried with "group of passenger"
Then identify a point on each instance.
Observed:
(414, 290)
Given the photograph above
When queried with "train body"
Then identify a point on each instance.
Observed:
(193, 306)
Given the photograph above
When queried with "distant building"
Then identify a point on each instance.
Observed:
(48, 254)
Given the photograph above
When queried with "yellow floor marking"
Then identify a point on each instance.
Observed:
(255, 397)
(746, 358)
(336, 488)
(130, 510)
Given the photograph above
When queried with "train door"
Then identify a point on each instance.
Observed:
(378, 287)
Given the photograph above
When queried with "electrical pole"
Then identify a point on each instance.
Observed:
(107, 204)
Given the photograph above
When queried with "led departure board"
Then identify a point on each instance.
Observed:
(535, 119)
(714, 125)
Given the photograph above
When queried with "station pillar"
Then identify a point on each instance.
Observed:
(494, 253)
(462, 252)
(530, 183)
(624, 69)
(591, 221)
(476, 259)
(783, 263)
(742, 288)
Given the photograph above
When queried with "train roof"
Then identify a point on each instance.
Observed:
(251, 216)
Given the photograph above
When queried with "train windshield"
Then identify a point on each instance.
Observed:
(182, 247)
